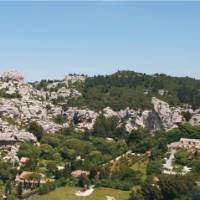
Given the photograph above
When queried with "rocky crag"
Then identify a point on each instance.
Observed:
(21, 103)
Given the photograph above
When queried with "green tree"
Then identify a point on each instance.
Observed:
(187, 115)
(8, 188)
(5, 172)
(29, 150)
(19, 190)
(59, 119)
(51, 168)
(154, 167)
(67, 170)
(104, 127)
(84, 181)
(36, 129)
(136, 195)
(46, 151)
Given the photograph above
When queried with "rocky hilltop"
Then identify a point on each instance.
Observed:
(22, 102)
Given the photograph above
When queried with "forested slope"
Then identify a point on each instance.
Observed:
(135, 90)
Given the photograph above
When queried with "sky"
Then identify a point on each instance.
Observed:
(51, 39)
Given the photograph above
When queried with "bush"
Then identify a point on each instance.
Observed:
(59, 119)
(36, 129)
(187, 115)
(46, 188)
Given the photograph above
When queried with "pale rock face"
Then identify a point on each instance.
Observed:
(146, 119)
(25, 136)
(8, 108)
(124, 113)
(135, 119)
(108, 112)
(74, 78)
(34, 105)
(11, 138)
(11, 134)
(83, 118)
(130, 125)
(197, 111)
(31, 105)
(176, 116)
(52, 85)
(53, 95)
(26, 109)
(133, 124)
(33, 109)
(12, 75)
(195, 120)
(54, 111)
(13, 82)
(139, 121)
(151, 120)
(75, 93)
(162, 92)
(64, 92)
(11, 153)
(132, 119)
(169, 116)
(49, 126)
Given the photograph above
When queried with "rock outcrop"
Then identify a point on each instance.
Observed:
(33, 104)
(151, 120)
(82, 118)
(108, 112)
(169, 116)
(49, 126)
(195, 120)
(73, 78)
(11, 134)
(12, 76)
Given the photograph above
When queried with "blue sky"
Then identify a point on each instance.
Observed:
(49, 39)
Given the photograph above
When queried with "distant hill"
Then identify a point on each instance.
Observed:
(135, 90)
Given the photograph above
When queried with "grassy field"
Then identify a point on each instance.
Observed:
(67, 193)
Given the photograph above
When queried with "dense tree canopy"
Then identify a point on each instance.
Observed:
(36, 129)
(129, 89)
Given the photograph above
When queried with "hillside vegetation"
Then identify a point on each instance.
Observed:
(135, 90)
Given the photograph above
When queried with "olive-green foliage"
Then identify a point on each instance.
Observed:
(9, 96)
(67, 145)
(36, 129)
(154, 167)
(83, 181)
(59, 119)
(104, 127)
(129, 89)
(123, 179)
(46, 151)
(168, 187)
(19, 190)
(93, 150)
(29, 150)
(140, 140)
(6, 171)
(187, 115)
(42, 85)
(183, 131)
(184, 157)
